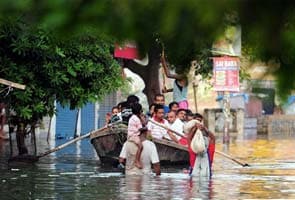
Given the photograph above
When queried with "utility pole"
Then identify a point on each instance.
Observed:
(226, 112)
(196, 82)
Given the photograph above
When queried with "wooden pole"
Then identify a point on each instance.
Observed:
(196, 81)
(165, 127)
(233, 159)
(195, 88)
(226, 111)
(70, 142)
(64, 145)
(218, 152)
(12, 84)
(75, 140)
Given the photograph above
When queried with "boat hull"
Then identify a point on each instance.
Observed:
(108, 144)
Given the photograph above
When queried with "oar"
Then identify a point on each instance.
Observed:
(167, 128)
(233, 159)
(74, 140)
(218, 152)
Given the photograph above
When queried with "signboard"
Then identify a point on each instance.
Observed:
(226, 73)
(127, 51)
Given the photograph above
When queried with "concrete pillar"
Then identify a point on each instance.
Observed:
(210, 119)
(240, 121)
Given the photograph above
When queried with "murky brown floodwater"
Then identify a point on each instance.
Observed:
(74, 173)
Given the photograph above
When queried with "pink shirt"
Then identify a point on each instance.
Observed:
(134, 125)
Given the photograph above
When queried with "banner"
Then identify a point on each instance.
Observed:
(127, 51)
(226, 74)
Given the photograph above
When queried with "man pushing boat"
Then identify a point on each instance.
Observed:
(149, 156)
(201, 147)
(200, 159)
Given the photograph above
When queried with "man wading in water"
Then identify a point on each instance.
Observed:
(149, 156)
(200, 163)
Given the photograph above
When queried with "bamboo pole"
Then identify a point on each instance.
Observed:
(73, 141)
(218, 152)
(12, 84)
(167, 128)
(233, 159)
(195, 89)
(226, 111)
(65, 145)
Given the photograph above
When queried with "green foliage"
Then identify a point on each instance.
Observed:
(187, 28)
(72, 71)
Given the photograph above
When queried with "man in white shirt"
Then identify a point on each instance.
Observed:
(176, 125)
(181, 114)
(149, 156)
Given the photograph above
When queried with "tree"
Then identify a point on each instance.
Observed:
(149, 73)
(73, 71)
(186, 28)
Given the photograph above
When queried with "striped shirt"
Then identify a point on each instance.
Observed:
(157, 131)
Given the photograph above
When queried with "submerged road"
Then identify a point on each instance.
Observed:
(75, 173)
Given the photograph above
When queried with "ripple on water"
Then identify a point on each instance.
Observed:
(276, 165)
(76, 173)
(104, 175)
(271, 175)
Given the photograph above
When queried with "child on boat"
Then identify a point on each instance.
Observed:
(113, 117)
(135, 123)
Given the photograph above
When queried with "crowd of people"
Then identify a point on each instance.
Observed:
(178, 125)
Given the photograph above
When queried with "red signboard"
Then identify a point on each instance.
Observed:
(127, 51)
(226, 74)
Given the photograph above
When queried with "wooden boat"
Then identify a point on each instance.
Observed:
(108, 144)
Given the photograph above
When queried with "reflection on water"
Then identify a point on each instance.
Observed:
(168, 186)
(74, 173)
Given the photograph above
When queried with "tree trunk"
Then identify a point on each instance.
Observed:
(149, 73)
(33, 138)
(20, 139)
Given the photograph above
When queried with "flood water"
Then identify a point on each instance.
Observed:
(75, 173)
